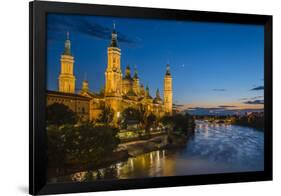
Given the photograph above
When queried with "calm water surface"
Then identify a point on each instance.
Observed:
(214, 148)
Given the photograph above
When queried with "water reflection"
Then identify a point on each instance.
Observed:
(214, 148)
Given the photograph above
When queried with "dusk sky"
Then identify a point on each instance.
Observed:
(213, 65)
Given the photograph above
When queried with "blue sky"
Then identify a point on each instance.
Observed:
(212, 64)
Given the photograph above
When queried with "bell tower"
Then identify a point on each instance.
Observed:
(113, 74)
(113, 78)
(66, 77)
(168, 91)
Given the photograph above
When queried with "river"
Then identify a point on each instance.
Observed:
(214, 148)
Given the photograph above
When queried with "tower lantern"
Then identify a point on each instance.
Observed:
(85, 84)
(113, 37)
(67, 45)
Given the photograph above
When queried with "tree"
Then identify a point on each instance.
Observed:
(142, 116)
(106, 116)
(166, 120)
(59, 114)
(179, 123)
(131, 114)
(150, 120)
(56, 148)
(82, 144)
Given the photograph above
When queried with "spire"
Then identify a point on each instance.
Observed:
(135, 72)
(85, 76)
(147, 92)
(114, 27)
(168, 73)
(113, 37)
(142, 91)
(128, 72)
(157, 94)
(67, 45)
(157, 99)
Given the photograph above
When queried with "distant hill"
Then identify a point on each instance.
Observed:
(220, 111)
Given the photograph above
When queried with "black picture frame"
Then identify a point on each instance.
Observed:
(37, 70)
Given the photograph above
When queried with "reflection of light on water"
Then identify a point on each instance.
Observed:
(213, 149)
(206, 131)
(118, 168)
(78, 177)
(131, 164)
(157, 159)
(151, 158)
(143, 161)
(158, 155)
(163, 158)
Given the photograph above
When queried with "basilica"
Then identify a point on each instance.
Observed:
(120, 91)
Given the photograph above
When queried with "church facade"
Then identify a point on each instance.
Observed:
(121, 91)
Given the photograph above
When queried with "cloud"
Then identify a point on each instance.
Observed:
(202, 108)
(257, 101)
(257, 88)
(243, 99)
(251, 98)
(177, 106)
(62, 24)
(219, 89)
(226, 106)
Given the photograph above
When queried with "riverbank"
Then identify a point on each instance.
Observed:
(211, 149)
(124, 152)
(155, 143)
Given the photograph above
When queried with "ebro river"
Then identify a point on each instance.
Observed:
(214, 148)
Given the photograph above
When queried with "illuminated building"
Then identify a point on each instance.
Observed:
(120, 91)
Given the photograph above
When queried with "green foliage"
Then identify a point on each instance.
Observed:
(145, 120)
(59, 114)
(130, 114)
(253, 120)
(89, 177)
(56, 147)
(85, 143)
(179, 123)
(150, 120)
(166, 120)
(106, 116)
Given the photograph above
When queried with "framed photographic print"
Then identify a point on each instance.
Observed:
(128, 98)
